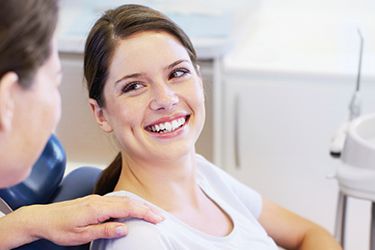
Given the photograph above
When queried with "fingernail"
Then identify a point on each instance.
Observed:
(157, 217)
(155, 214)
(121, 230)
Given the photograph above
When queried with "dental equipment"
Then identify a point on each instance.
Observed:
(338, 140)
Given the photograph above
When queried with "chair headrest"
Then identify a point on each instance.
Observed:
(78, 183)
(44, 179)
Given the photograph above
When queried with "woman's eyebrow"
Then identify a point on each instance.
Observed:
(135, 75)
(176, 63)
(128, 76)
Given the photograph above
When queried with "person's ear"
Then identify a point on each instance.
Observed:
(8, 83)
(99, 115)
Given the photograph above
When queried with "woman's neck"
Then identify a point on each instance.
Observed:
(169, 184)
(172, 185)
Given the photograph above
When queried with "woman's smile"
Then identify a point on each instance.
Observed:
(167, 127)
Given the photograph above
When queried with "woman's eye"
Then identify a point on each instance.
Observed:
(178, 73)
(133, 86)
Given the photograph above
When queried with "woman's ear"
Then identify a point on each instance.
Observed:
(99, 115)
(8, 84)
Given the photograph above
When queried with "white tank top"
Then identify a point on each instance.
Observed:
(242, 204)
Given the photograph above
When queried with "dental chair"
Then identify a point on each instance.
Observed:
(47, 184)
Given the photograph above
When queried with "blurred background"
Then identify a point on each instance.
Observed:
(278, 77)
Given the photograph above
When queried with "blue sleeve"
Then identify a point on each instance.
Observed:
(141, 235)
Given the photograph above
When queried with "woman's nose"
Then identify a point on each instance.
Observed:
(164, 98)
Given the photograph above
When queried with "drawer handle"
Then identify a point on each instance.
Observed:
(237, 132)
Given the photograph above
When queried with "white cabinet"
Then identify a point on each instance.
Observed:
(276, 130)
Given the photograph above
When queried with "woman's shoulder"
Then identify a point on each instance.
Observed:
(141, 235)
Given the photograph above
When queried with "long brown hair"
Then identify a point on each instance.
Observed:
(113, 26)
(26, 29)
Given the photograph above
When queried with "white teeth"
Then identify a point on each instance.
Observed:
(168, 126)
(174, 124)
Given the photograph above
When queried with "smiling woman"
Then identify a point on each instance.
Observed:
(145, 88)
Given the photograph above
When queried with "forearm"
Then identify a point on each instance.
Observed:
(318, 238)
(17, 229)
(293, 232)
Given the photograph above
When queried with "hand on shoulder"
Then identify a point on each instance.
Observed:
(76, 221)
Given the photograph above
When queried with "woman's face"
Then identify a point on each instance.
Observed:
(154, 101)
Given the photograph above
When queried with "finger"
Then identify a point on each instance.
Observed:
(106, 230)
(150, 215)
(124, 207)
